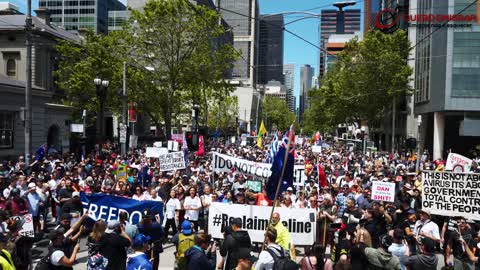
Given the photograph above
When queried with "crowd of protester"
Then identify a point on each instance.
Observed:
(359, 233)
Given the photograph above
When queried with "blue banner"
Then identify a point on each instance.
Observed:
(108, 207)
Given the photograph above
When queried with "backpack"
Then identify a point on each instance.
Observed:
(281, 262)
(184, 242)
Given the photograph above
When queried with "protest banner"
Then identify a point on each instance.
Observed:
(451, 194)
(316, 149)
(255, 186)
(155, 152)
(172, 161)
(224, 163)
(27, 225)
(299, 222)
(177, 137)
(458, 163)
(108, 207)
(383, 191)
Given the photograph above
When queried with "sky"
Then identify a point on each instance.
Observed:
(296, 51)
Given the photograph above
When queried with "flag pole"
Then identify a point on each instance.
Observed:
(279, 184)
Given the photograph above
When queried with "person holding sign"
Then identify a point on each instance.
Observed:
(456, 246)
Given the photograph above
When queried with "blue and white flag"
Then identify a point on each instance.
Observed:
(41, 151)
(185, 149)
(273, 147)
(278, 164)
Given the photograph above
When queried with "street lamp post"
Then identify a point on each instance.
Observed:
(101, 91)
(419, 124)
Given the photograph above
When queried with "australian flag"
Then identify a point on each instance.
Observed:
(41, 151)
(278, 164)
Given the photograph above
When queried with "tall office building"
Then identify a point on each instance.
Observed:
(77, 15)
(306, 74)
(289, 82)
(371, 7)
(328, 26)
(245, 31)
(447, 79)
(270, 54)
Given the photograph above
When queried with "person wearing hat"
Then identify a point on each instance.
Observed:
(183, 241)
(234, 242)
(73, 207)
(35, 203)
(139, 260)
(113, 245)
(245, 260)
(426, 228)
(381, 258)
(6, 261)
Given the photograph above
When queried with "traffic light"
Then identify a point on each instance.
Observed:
(192, 141)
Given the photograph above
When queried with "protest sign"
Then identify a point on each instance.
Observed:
(451, 194)
(383, 191)
(108, 207)
(299, 222)
(458, 163)
(177, 137)
(27, 225)
(316, 149)
(224, 163)
(255, 186)
(172, 161)
(155, 152)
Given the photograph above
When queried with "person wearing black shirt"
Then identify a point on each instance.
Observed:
(151, 227)
(113, 246)
(455, 246)
(234, 242)
(352, 215)
(73, 206)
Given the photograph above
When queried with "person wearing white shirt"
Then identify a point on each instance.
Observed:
(206, 199)
(192, 206)
(265, 260)
(153, 196)
(139, 195)
(172, 208)
(426, 228)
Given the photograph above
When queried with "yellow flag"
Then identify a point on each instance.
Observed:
(261, 131)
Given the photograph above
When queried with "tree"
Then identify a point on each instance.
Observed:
(80, 63)
(223, 113)
(365, 79)
(181, 43)
(276, 113)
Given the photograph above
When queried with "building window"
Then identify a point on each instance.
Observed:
(6, 129)
(12, 68)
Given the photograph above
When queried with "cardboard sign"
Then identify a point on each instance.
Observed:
(383, 191)
(27, 227)
(458, 163)
(255, 186)
(300, 222)
(172, 161)
(155, 152)
(451, 194)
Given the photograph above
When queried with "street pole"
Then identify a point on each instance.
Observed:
(123, 145)
(28, 84)
(84, 135)
(393, 124)
(419, 150)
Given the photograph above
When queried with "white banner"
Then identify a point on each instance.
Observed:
(316, 149)
(458, 163)
(300, 222)
(383, 191)
(171, 161)
(451, 194)
(224, 163)
(155, 152)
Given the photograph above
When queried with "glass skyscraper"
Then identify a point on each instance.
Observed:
(81, 14)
